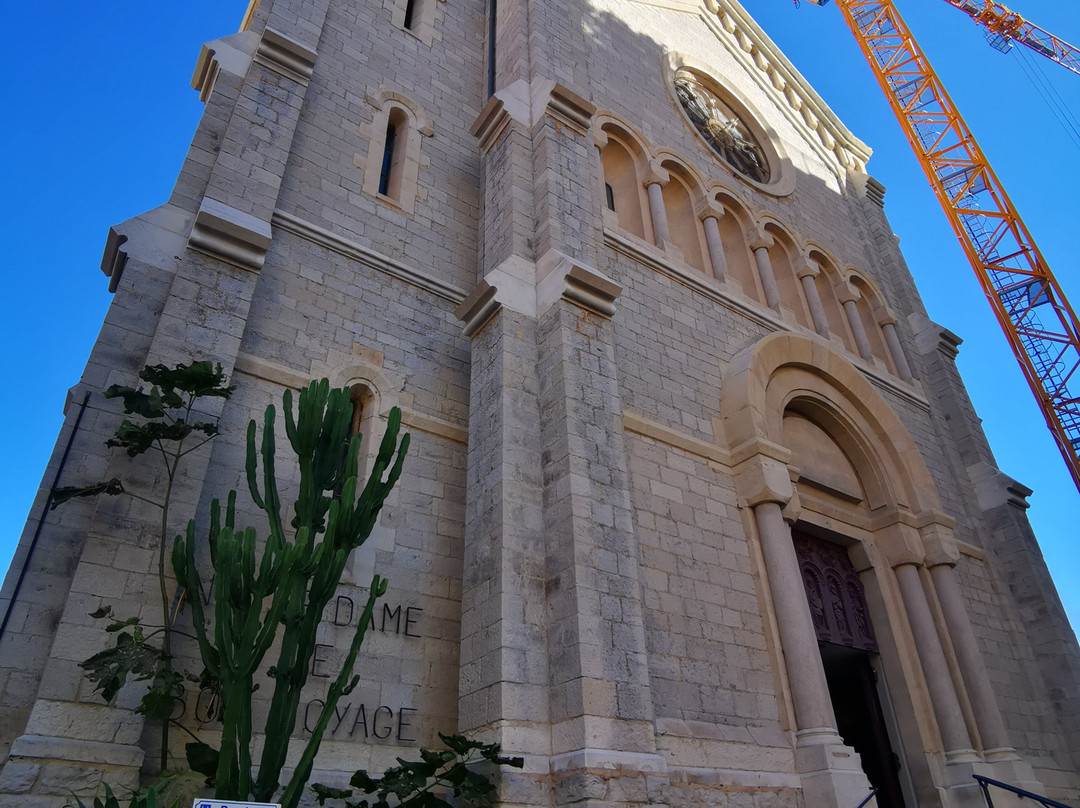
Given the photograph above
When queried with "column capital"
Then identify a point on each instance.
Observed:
(900, 543)
(762, 479)
(938, 540)
(706, 207)
(809, 268)
(846, 293)
(884, 316)
(656, 176)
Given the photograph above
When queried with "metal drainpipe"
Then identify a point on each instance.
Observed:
(45, 510)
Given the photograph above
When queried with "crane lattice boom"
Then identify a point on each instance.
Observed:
(1037, 319)
(1004, 27)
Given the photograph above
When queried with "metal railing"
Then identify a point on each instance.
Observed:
(986, 782)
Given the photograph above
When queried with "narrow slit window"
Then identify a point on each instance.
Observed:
(388, 157)
(410, 11)
(610, 193)
(393, 156)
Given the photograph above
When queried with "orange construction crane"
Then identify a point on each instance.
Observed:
(1038, 321)
(1003, 27)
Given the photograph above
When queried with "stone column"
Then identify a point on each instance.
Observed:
(809, 690)
(709, 212)
(765, 271)
(858, 330)
(935, 668)
(830, 772)
(972, 668)
(807, 273)
(661, 234)
(892, 339)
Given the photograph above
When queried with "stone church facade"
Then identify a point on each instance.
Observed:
(697, 510)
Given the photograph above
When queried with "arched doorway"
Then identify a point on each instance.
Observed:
(849, 655)
(817, 447)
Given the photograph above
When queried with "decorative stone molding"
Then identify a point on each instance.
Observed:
(609, 759)
(868, 187)
(846, 292)
(367, 257)
(883, 316)
(434, 426)
(994, 487)
(580, 285)
(107, 754)
(646, 427)
(490, 124)
(383, 96)
(269, 371)
(114, 259)
(286, 56)
(656, 175)
(231, 235)
(929, 336)
(569, 108)
(479, 307)
(231, 55)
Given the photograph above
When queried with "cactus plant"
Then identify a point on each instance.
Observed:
(288, 586)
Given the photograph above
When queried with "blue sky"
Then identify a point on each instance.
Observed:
(102, 113)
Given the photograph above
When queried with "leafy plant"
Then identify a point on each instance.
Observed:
(288, 585)
(148, 798)
(165, 426)
(422, 783)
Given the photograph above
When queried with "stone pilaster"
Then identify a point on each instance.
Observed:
(603, 742)
(503, 665)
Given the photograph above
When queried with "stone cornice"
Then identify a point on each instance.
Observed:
(489, 125)
(114, 259)
(479, 307)
(286, 56)
(569, 108)
(230, 235)
(367, 257)
(640, 424)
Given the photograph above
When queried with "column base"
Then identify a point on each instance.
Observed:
(830, 772)
(963, 791)
(591, 778)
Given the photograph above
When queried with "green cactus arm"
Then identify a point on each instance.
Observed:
(344, 682)
(188, 576)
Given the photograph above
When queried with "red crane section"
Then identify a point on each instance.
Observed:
(1003, 27)
(1037, 320)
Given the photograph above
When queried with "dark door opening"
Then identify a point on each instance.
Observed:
(860, 721)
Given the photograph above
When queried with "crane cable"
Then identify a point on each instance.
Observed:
(1051, 97)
